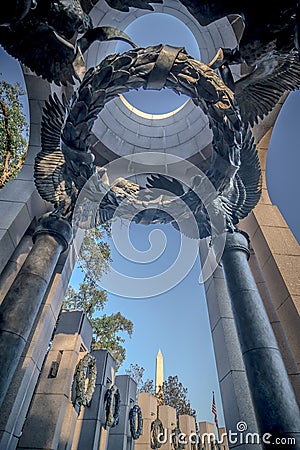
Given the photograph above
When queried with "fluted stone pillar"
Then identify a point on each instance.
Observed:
(275, 406)
(22, 302)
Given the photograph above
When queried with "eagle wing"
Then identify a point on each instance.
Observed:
(185, 212)
(165, 183)
(258, 92)
(242, 196)
(237, 200)
(50, 167)
(111, 197)
(39, 48)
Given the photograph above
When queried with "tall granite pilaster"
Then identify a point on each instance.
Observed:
(275, 264)
(277, 250)
(22, 302)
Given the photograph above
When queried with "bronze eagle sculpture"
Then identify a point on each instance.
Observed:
(265, 29)
(268, 49)
(46, 35)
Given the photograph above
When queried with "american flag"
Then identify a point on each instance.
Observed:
(214, 410)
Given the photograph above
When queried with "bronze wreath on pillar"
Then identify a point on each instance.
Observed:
(112, 400)
(176, 442)
(134, 413)
(157, 429)
(84, 394)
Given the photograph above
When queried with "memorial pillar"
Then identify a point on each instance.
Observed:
(167, 415)
(89, 431)
(187, 426)
(223, 440)
(148, 405)
(285, 350)
(52, 416)
(22, 302)
(275, 405)
(119, 436)
(207, 435)
(21, 389)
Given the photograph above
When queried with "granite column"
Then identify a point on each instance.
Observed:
(22, 302)
(275, 405)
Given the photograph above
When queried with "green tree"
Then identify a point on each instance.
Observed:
(136, 372)
(108, 330)
(148, 386)
(13, 131)
(106, 334)
(87, 297)
(94, 256)
(174, 393)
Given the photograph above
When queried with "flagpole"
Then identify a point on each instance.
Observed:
(214, 411)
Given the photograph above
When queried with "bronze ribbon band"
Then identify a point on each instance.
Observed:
(162, 67)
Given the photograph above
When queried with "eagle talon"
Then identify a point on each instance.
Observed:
(226, 56)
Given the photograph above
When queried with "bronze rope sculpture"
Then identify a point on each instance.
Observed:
(65, 163)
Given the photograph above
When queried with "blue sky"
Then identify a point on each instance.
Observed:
(154, 29)
(177, 320)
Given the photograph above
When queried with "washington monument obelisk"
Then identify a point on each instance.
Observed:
(159, 374)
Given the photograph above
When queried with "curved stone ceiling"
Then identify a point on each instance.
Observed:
(121, 129)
